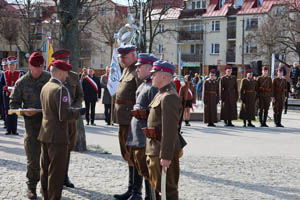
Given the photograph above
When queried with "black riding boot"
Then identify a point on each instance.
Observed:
(67, 181)
(137, 185)
(225, 122)
(279, 120)
(250, 124)
(147, 190)
(261, 119)
(275, 118)
(245, 123)
(230, 123)
(265, 119)
(128, 193)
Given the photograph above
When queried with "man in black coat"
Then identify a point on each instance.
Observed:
(106, 99)
(92, 91)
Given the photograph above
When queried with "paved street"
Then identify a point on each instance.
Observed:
(219, 163)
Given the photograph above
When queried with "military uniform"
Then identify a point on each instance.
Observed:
(248, 97)
(210, 100)
(229, 97)
(54, 135)
(264, 93)
(26, 94)
(279, 94)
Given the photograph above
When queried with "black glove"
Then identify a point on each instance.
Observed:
(82, 111)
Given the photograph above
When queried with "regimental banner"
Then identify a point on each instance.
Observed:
(114, 75)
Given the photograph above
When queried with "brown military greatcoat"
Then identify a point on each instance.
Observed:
(248, 97)
(264, 92)
(279, 93)
(210, 98)
(229, 97)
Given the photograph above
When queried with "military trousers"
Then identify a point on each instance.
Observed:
(32, 148)
(155, 169)
(53, 169)
(72, 129)
(278, 104)
(11, 120)
(125, 150)
(264, 104)
(139, 159)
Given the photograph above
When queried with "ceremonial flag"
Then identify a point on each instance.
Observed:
(114, 75)
(49, 53)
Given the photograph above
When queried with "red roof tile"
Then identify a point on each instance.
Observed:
(172, 13)
(214, 11)
(250, 6)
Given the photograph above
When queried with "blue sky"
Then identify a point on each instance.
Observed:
(125, 2)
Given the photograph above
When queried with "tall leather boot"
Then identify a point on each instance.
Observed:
(137, 185)
(128, 193)
(260, 114)
(147, 190)
(275, 118)
(265, 119)
(245, 124)
(250, 124)
(279, 120)
(230, 123)
(67, 181)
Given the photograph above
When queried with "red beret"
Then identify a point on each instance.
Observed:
(62, 65)
(249, 71)
(212, 71)
(62, 53)
(4, 61)
(36, 59)
(228, 68)
(12, 60)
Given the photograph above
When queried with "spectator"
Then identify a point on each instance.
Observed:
(92, 91)
(106, 100)
(297, 89)
(177, 84)
(199, 87)
(195, 80)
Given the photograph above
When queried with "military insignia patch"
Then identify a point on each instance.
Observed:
(65, 99)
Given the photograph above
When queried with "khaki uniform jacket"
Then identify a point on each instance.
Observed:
(57, 111)
(264, 87)
(210, 99)
(164, 116)
(128, 84)
(248, 97)
(229, 97)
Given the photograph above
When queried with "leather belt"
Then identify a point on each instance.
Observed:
(140, 114)
(249, 91)
(211, 92)
(123, 101)
(152, 133)
(264, 89)
(280, 90)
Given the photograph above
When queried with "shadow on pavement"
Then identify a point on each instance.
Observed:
(14, 150)
(104, 155)
(89, 194)
(102, 130)
(12, 165)
(270, 190)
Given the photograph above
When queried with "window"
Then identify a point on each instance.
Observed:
(215, 26)
(201, 4)
(192, 49)
(160, 48)
(196, 27)
(259, 2)
(251, 23)
(193, 5)
(215, 48)
(161, 28)
(103, 12)
(250, 47)
(222, 2)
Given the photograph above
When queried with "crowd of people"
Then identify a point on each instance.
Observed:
(149, 107)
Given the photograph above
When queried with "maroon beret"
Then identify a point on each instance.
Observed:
(62, 65)
(265, 69)
(36, 59)
(249, 71)
(280, 69)
(62, 53)
(228, 68)
(212, 71)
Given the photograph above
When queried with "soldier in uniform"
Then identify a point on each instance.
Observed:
(264, 93)
(26, 94)
(8, 81)
(54, 136)
(278, 97)
(125, 99)
(248, 97)
(136, 139)
(73, 84)
(229, 97)
(211, 99)
(162, 144)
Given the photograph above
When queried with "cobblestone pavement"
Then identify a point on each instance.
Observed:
(219, 163)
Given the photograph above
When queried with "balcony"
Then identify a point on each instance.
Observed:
(230, 57)
(231, 33)
(190, 35)
(191, 58)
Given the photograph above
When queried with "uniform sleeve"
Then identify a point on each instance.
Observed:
(170, 106)
(222, 84)
(78, 94)
(273, 87)
(16, 97)
(242, 91)
(236, 89)
(203, 93)
(152, 92)
(64, 109)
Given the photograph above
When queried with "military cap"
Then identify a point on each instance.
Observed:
(146, 58)
(4, 61)
(124, 50)
(62, 53)
(36, 59)
(228, 68)
(249, 71)
(12, 60)
(212, 71)
(265, 69)
(163, 66)
(62, 65)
